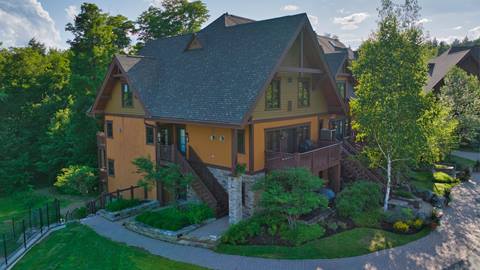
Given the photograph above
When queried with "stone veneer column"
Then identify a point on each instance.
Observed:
(235, 214)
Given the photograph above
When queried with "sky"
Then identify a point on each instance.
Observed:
(351, 20)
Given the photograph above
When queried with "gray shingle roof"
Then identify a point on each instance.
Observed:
(335, 61)
(441, 65)
(218, 83)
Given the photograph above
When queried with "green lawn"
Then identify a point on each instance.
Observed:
(79, 247)
(346, 244)
(461, 163)
(434, 182)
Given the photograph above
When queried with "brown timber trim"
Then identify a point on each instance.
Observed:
(234, 149)
(251, 149)
(200, 123)
(287, 126)
(263, 120)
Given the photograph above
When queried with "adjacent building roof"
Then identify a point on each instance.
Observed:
(217, 82)
(336, 53)
(441, 65)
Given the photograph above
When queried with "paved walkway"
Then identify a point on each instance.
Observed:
(213, 230)
(467, 155)
(455, 243)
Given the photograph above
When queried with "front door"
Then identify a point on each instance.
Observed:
(182, 139)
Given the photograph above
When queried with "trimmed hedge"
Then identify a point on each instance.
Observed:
(358, 198)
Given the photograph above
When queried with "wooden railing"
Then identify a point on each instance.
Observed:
(208, 178)
(318, 159)
(166, 153)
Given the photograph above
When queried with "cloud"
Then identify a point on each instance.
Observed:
(423, 21)
(71, 11)
(449, 39)
(474, 33)
(457, 27)
(290, 7)
(351, 21)
(22, 20)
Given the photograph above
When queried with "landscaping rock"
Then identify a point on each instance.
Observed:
(438, 201)
(125, 213)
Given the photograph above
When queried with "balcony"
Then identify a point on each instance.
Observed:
(323, 156)
(101, 140)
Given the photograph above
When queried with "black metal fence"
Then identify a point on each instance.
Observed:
(18, 233)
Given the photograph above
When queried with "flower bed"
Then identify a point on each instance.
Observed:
(126, 211)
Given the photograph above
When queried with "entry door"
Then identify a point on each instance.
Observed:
(164, 135)
(182, 139)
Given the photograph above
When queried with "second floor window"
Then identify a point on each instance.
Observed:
(342, 88)
(111, 167)
(241, 141)
(109, 129)
(127, 96)
(303, 93)
(272, 96)
(149, 132)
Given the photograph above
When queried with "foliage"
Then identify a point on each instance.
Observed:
(120, 204)
(401, 227)
(239, 233)
(391, 113)
(170, 176)
(175, 17)
(358, 198)
(462, 92)
(302, 233)
(417, 224)
(441, 177)
(404, 194)
(370, 218)
(349, 243)
(77, 180)
(401, 214)
(290, 193)
(240, 169)
(176, 218)
(80, 247)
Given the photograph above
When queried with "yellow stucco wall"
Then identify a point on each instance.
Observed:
(128, 143)
(114, 105)
(214, 152)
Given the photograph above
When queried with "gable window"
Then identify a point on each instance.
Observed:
(111, 167)
(149, 131)
(109, 128)
(342, 88)
(272, 96)
(241, 141)
(303, 93)
(127, 96)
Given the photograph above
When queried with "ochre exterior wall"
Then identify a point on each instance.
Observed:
(114, 105)
(259, 133)
(128, 143)
(216, 152)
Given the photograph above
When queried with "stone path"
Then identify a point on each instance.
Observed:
(455, 244)
(214, 229)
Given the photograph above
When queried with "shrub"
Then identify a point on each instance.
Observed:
(401, 227)
(242, 231)
(332, 226)
(120, 204)
(79, 213)
(76, 180)
(176, 218)
(417, 224)
(404, 194)
(302, 233)
(357, 198)
(441, 177)
(370, 218)
(290, 193)
(399, 214)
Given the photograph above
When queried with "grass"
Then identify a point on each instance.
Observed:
(350, 243)
(79, 247)
(121, 204)
(461, 163)
(437, 182)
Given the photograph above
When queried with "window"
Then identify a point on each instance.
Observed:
(342, 88)
(272, 96)
(303, 93)
(149, 133)
(241, 141)
(287, 140)
(109, 128)
(111, 167)
(127, 96)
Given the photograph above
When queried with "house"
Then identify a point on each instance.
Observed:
(257, 93)
(339, 57)
(466, 58)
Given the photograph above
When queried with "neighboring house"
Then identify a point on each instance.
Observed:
(237, 92)
(466, 58)
(339, 57)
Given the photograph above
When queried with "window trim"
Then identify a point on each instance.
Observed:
(308, 91)
(344, 83)
(147, 127)
(109, 168)
(124, 105)
(110, 136)
(270, 86)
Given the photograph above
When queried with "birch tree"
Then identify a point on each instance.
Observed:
(391, 72)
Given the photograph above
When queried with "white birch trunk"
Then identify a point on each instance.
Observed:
(389, 179)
